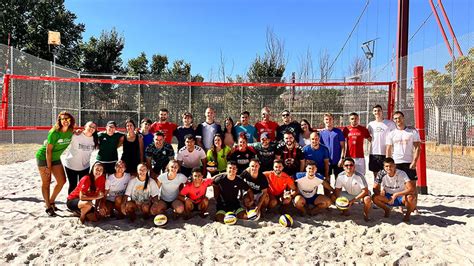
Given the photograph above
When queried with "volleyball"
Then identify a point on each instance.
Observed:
(286, 220)
(253, 215)
(230, 218)
(160, 220)
(342, 203)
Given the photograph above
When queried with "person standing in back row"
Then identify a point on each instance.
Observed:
(206, 130)
(333, 138)
(289, 125)
(355, 135)
(378, 129)
(109, 142)
(164, 126)
(403, 145)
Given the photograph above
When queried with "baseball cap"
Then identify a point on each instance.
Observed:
(112, 123)
(264, 135)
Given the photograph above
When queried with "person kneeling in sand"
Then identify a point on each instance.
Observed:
(259, 185)
(115, 187)
(281, 187)
(355, 187)
(170, 183)
(91, 188)
(307, 184)
(193, 194)
(392, 187)
(227, 190)
(141, 194)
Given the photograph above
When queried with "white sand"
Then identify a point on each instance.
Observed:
(443, 232)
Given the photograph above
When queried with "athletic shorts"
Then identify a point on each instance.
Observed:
(397, 202)
(109, 167)
(169, 204)
(360, 165)
(376, 162)
(310, 201)
(256, 196)
(73, 204)
(43, 163)
(411, 173)
(235, 211)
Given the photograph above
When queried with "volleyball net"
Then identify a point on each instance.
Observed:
(33, 102)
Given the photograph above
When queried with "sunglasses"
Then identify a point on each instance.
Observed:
(348, 165)
(285, 115)
(66, 119)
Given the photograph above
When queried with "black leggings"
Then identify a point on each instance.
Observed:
(74, 176)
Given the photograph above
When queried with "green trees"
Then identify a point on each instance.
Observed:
(28, 22)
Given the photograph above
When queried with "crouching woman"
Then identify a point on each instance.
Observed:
(141, 195)
(88, 194)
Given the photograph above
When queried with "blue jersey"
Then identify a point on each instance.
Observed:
(318, 156)
(249, 130)
(332, 140)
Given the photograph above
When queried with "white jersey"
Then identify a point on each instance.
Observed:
(191, 159)
(136, 190)
(392, 184)
(402, 142)
(170, 188)
(352, 184)
(379, 131)
(116, 186)
(308, 187)
(78, 155)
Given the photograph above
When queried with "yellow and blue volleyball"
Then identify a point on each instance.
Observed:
(253, 215)
(160, 220)
(230, 218)
(342, 203)
(286, 220)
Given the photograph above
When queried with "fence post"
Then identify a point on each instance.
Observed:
(420, 126)
(139, 100)
(80, 101)
(4, 114)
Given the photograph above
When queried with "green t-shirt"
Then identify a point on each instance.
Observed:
(59, 140)
(108, 146)
(221, 158)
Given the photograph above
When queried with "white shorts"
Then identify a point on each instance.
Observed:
(360, 165)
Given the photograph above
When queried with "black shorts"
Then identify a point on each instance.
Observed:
(334, 169)
(376, 162)
(411, 173)
(109, 167)
(73, 204)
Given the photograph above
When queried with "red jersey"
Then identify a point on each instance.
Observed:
(84, 187)
(269, 127)
(167, 128)
(355, 140)
(277, 185)
(196, 194)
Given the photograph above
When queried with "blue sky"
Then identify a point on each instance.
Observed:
(198, 31)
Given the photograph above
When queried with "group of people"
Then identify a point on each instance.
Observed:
(264, 167)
